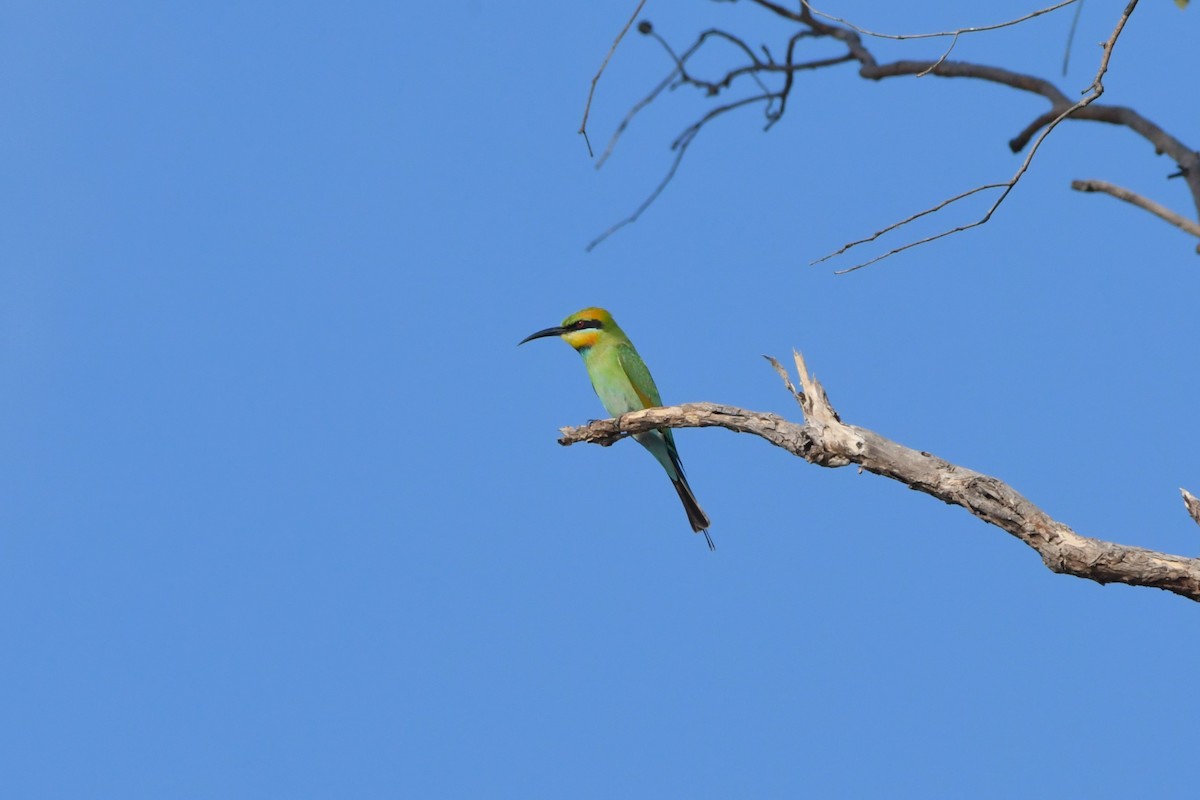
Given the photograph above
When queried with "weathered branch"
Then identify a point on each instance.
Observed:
(1192, 504)
(823, 439)
(1138, 200)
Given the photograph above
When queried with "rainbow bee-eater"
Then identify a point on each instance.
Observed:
(623, 384)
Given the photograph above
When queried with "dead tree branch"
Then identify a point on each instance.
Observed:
(1138, 200)
(810, 28)
(823, 439)
(1192, 504)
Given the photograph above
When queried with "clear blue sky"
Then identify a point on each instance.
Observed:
(283, 513)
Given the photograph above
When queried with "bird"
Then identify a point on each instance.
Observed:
(623, 384)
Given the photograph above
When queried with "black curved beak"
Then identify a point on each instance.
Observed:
(557, 330)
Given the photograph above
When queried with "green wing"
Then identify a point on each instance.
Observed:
(660, 442)
(647, 392)
(639, 376)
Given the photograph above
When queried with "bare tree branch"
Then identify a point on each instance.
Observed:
(851, 37)
(1141, 202)
(823, 439)
(684, 139)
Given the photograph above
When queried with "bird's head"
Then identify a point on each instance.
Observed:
(581, 330)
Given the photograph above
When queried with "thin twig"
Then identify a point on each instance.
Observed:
(654, 93)
(632, 218)
(907, 220)
(941, 60)
(645, 101)
(587, 108)
(1071, 36)
(1008, 186)
(1097, 87)
(955, 33)
(680, 145)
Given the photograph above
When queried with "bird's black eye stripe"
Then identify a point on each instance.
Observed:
(580, 324)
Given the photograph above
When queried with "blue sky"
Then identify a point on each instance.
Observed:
(284, 514)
